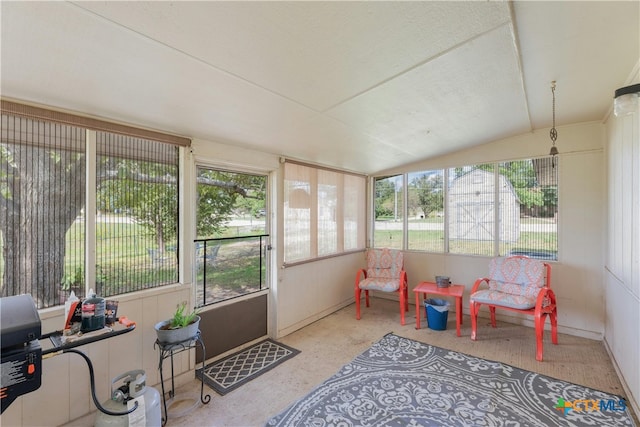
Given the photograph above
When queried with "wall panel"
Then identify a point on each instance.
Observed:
(622, 262)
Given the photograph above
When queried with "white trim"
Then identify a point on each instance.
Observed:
(317, 316)
(90, 212)
(228, 166)
(186, 210)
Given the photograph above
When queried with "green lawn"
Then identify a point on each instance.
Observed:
(433, 241)
(124, 262)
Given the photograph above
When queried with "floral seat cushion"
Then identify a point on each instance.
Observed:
(378, 284)
(491, 297)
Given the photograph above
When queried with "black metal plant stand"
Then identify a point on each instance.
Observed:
(168, 350)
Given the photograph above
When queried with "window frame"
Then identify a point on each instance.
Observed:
(550, 253)
(200, 245)
(312, 198)
(90, 127)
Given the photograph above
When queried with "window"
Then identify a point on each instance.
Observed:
(471, 209)
(388, 212)
(324, 212)
(353, 213)
(136, 226)
(426, 211)
(42, 190)
(58, 235)
(535, 184)
(507, 208)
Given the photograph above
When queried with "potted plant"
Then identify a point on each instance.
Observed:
(181, 327)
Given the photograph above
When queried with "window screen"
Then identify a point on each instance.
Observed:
(50, 231)
(137, 218)
(425, 203)
(42, 188)
(389, 212)
(324, 212)
(507, 208)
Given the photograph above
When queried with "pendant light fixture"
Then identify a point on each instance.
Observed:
(553, 133)
(626, 100)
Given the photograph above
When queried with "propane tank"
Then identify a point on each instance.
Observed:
(132, 389)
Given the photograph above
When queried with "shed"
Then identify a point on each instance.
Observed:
(471, 207)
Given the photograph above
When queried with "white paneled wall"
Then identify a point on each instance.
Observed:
(65, 394)
(307, 291)
(577, 276)
(310, 291)
(622, 260)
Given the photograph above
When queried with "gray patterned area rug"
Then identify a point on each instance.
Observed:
(402, 382)
(227, 374)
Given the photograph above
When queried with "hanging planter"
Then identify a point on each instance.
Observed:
(179, 328)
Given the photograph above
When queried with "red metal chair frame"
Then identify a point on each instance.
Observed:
(539, 312)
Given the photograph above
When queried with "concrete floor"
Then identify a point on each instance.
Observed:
(331, 342)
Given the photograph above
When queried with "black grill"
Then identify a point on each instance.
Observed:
(21, 353)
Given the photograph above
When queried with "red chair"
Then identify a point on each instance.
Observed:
(519, 284)
(384, 272)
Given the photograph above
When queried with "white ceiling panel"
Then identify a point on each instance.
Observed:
(364, 86)
(163, 88)
(589, 48)
(469, 93)
(341, 146)
(316, 53)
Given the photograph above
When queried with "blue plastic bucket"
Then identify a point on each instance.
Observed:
(437, 313)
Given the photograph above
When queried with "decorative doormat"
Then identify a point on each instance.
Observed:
(402, 382)
(227, 374)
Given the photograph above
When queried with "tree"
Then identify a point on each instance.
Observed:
(218, 193)
(146, 191)
(430, 193)
(36, 210)
(385, 189)
(522, 177)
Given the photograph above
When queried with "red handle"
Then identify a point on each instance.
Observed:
(123, 320)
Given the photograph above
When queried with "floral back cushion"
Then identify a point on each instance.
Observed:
(384, 263)
(516, 276)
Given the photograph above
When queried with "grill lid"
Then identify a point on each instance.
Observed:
(20, 321)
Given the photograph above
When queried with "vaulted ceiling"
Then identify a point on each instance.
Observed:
(363, 86)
